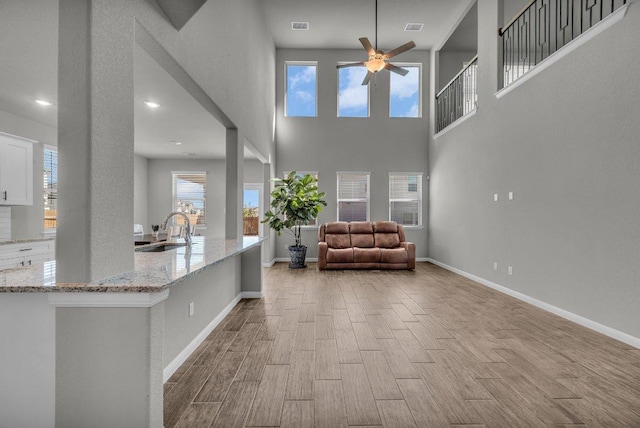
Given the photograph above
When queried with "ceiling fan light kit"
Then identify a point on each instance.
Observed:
(378, 60)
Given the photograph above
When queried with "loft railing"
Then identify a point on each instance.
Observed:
(543, 27)
(458, 97)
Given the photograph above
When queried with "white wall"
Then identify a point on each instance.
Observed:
(160, 191)
(328, 144)
(566, 143)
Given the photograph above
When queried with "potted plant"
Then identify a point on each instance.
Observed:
(296, 201)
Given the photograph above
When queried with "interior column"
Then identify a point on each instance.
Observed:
(95, 139)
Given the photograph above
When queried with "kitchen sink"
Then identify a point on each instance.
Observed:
(162, 247)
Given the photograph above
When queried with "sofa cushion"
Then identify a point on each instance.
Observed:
(335, 240)
(366, 255)
(387, 240)
(335, 255)
(362, 241)
(337, 227)
(385, 227)
(393, 255)
(361, 227)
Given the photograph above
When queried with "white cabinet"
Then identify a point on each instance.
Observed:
(16, 171)
(26, 253)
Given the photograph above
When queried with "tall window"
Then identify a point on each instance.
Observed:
(50, 188)
(353, 97)
(301, 96)
(189, 192)
(353, 196)
(404, 93)
(405, 198)
(314, 174)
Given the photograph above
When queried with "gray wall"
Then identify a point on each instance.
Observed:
(327, 144)
(140, 192)
(450, 64)
(160, 191)
(566, 143)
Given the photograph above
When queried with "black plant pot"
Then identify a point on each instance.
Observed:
(298, 254)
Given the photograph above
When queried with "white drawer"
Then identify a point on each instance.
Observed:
(26, 248)
(10, 262)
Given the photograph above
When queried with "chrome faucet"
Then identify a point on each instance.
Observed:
(187, 235)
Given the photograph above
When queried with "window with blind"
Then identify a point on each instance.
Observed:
(314, 174)
(353, 196)
(50, 188)
(405, 198)
(189, 196)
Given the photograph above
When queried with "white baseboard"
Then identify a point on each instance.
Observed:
(422, 259)
(188, 350)
(269, 264)
(252, 294)
(585, 322)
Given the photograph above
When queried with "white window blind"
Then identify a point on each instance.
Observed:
(314, 174)
(189, 196)
(405, 198)
(353, 196)
(50, 187)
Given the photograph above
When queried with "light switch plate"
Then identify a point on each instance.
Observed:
(510, 270)
(192, 309)
(495, 197)
(511, 196)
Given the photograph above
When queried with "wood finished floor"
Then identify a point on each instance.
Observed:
(400, 349)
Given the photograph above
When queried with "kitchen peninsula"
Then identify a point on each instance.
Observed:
(97, 354)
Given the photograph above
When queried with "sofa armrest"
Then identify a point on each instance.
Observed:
(322, 255)
(411, 254)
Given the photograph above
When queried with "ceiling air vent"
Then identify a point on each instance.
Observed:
(413, 26)
(299, 25)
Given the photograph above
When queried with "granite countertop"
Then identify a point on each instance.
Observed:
(26, 241)
(153, 271)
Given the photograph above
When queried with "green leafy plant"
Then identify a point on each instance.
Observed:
(296, 201)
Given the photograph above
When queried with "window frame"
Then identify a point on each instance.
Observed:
(45, 190)
(315, 174)
(420, 90)
(338, 96)
(420, 192)
(367, 200)
(174, 199)
(286, 85)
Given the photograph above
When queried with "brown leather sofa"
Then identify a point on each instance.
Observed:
(364, 245)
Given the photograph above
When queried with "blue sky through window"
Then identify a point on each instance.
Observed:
(353, 97)
(404, 94)
(250, 199)
(301, 90)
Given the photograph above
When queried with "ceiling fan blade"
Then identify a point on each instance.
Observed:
(367, 78)
(399, 70)
(352, 64)
(367, 46)
(400, 49)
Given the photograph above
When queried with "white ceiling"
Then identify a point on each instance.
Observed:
(28, 70)
(338, 24)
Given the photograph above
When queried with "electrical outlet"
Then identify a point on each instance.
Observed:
(495, 197)
(510, 270)
(192, 309)
(495, 265)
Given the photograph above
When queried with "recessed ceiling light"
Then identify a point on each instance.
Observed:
(44, 103)
(413, 26)
(152, 104)
(177, 143)
(299, 25)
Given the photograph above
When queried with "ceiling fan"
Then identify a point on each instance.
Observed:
(378, 60)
